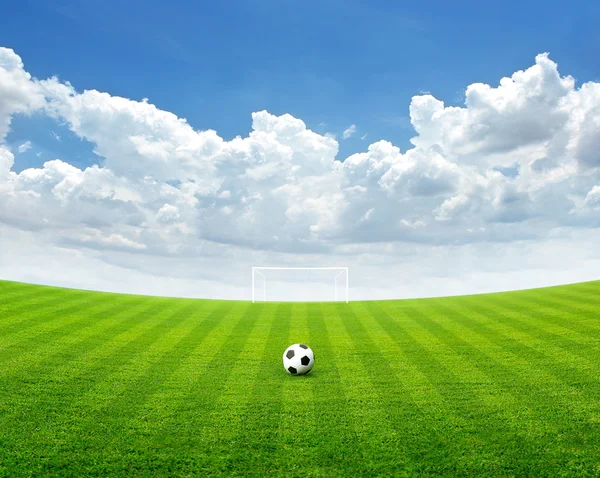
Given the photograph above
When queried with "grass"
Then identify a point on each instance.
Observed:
(97, 384)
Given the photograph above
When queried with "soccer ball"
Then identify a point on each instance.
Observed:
(298, 359)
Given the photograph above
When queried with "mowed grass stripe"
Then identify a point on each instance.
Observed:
(27, 313)
(582, 287)
(146, 419)
(556, 307)
(34, 345)
(7, 286)
(544, 371)
(396, 347)
(132, 417)
(221, 357)
(37, 397)
(443, 438)
(203, 344)
(200, 372)
(257, 437)
(578, 304)
(228, 418)
(161, 420)
(542, 330)
(353, 425)
(533, 405)
(590, 286)
(471, 393)
(187, 426)
(56, 372)
(581, 309)
(415, 450)
(566, 402)
(11, 299)
(73, 415)
(589, 292)
(589, 289)
(441, 432)
(455, 387)
(44, 316)
(553, 316)
(529, 339)
(186, 423)
(38, 296)
(161, 382)
(338, 445)
(577, 301)
(298, 431)
(83, 366)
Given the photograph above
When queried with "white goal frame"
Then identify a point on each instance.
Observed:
(342, 270)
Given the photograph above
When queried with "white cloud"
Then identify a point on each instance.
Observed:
(19, 92)
(349, 131)
(96, 239)
(592, 198)
(518, 162)
(383, 272)
(167, 214)
(26, 146)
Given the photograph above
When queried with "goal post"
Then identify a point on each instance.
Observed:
(300, 284)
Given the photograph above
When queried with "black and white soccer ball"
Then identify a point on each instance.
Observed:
(298, 359)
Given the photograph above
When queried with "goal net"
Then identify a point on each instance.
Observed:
(299, 284)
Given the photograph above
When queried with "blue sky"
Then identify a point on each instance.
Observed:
(331, 63)
(500, 192)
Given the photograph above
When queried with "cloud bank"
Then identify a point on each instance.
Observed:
(518, 164)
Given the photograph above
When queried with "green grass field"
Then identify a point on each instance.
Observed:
(97, 384)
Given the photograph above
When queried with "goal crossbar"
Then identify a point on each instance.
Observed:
(340, 292)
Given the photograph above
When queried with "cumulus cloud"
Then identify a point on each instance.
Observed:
(349, 131)
(531, 107)
(592, 199)
(19, 92)
(26, 146)
(518, 161)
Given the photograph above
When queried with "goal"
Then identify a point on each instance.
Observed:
(299, 284)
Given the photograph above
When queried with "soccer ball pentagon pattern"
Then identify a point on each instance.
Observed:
(298, 359)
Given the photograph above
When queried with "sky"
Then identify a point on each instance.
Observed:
(434, 148)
